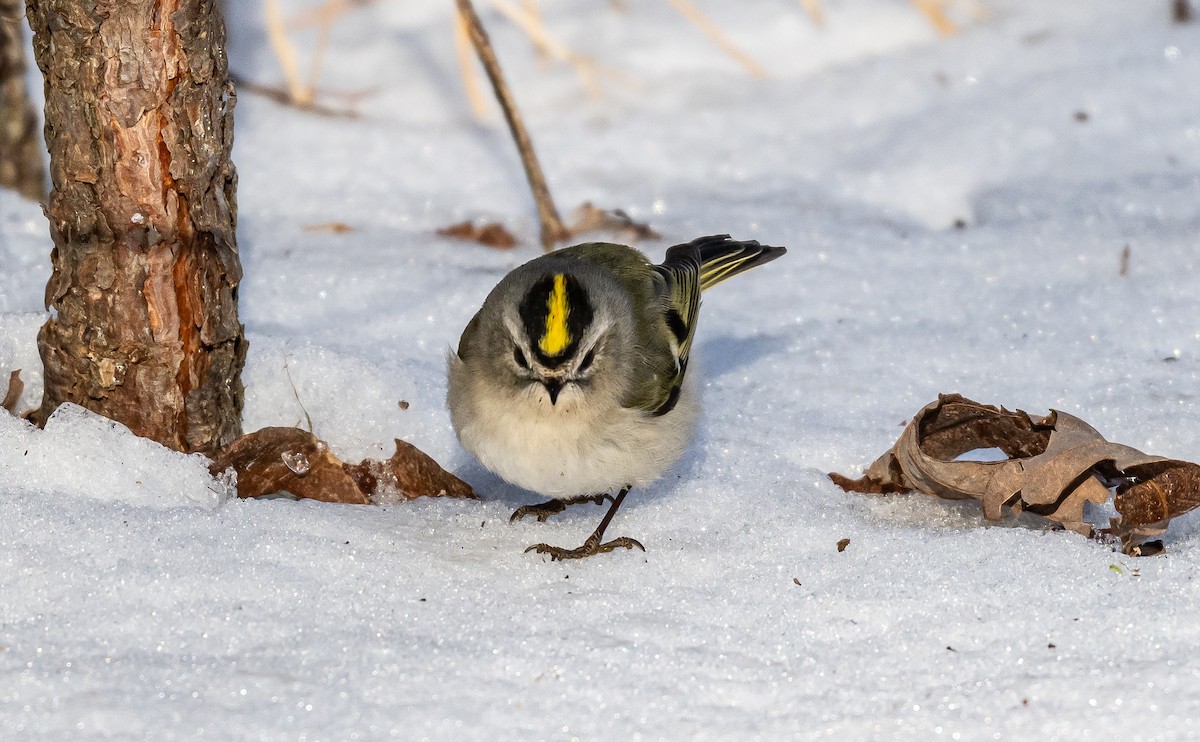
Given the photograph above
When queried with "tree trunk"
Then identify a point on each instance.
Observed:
(139, 123)
(21, 153)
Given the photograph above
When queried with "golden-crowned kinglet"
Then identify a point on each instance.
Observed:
(571, 380)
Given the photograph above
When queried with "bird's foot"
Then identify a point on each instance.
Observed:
(553, 507)
(591, 547)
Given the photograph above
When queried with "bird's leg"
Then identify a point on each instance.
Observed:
(592, 546)
(553, 507)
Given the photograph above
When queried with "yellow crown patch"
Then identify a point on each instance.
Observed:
(556, 337)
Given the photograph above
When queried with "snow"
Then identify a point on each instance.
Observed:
(140, 601)
(89, 456)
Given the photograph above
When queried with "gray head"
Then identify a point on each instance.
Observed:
(548, 332)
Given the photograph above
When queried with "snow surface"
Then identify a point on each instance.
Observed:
(139, 601)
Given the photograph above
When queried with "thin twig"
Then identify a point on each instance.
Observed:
(718, 37)
(284, 97)
(552, 227)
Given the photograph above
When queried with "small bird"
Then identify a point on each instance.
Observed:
(571, 381)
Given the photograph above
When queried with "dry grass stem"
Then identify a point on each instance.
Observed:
(814, 10)
(588, 69)
(462, 48)
(934, 11)
(318, 57)
(718, 37)
(285, 52)
(300, 92)
(327, 13)
(534, 12)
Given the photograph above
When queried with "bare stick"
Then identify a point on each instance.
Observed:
(718, 37)
(552, 226)
(284, 97)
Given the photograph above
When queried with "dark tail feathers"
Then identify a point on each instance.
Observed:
(721, 257)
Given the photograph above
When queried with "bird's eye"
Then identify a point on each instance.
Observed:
(586, 363)
(519, 358)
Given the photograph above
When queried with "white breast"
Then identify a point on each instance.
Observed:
(565, 450)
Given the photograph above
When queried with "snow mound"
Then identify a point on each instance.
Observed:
(80, 454)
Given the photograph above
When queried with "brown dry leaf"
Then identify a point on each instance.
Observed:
(407, 475)
(1181, 11)
(1161, 491)
(842, 544)
(13, 395)
(334, 227)
(490, 234)
(1056, 464)
(591, 218)
(274, 460)
(292, 460)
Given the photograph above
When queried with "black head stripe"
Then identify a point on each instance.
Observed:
(556, 314)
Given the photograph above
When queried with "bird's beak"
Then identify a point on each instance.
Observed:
(553, 387)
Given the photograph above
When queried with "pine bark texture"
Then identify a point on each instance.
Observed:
(21, 153)
(139, 123)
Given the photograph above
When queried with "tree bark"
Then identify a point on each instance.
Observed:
(21, 153)
(139, 123)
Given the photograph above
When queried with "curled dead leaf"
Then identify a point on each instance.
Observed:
(1054, 466)
(490, 234)
(13, 395)
(591, 218)
(407, 475)
(1181, 11)
(274, 460)
(1156, 493)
